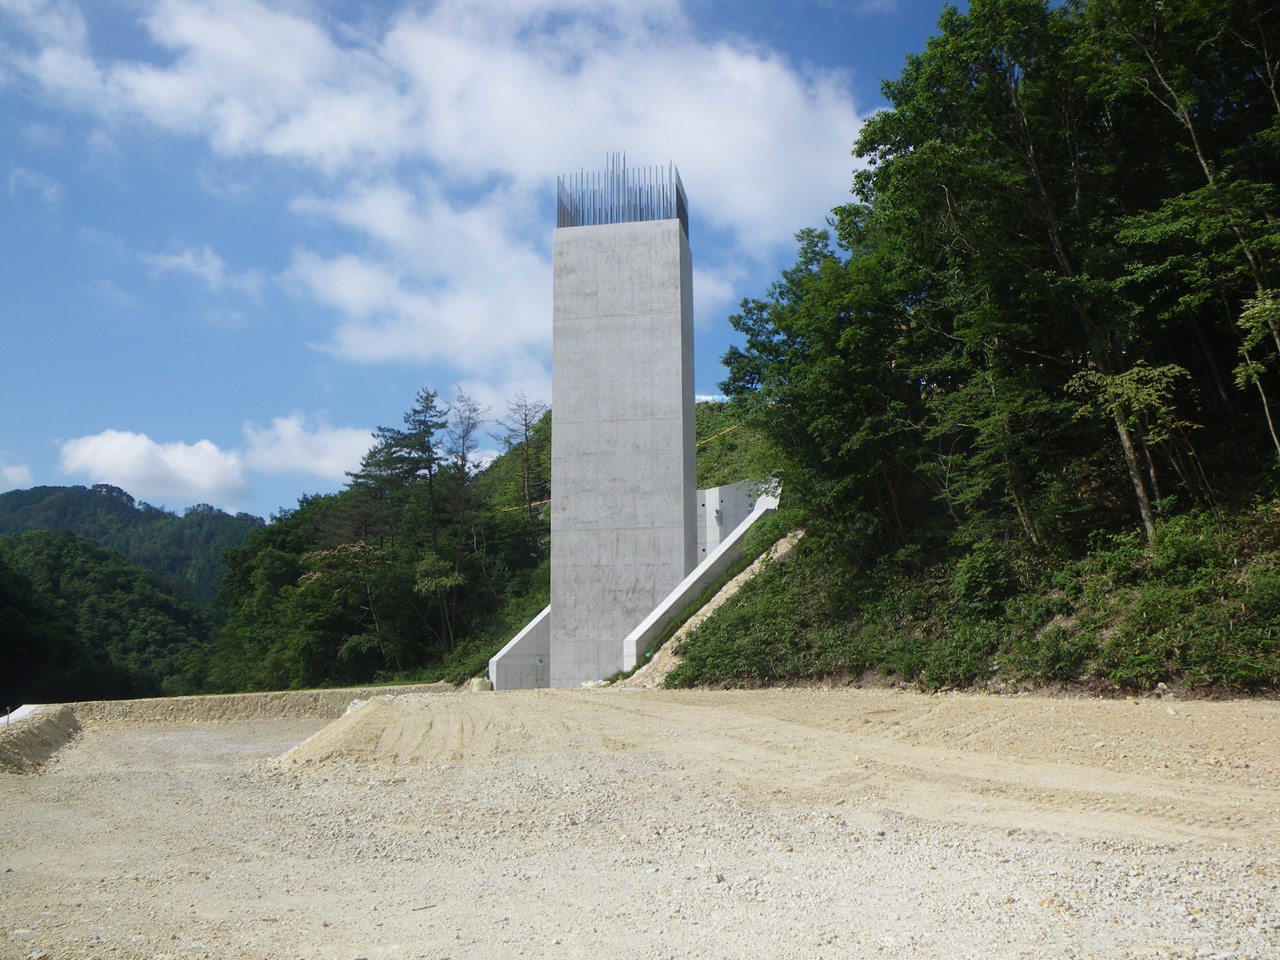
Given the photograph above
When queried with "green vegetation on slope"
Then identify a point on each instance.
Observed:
(729, 448)
(1200, 608)
(1018, 400)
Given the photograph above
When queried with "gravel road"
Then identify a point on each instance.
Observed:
(651, 824)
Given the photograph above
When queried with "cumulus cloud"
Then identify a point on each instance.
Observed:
(185, 473)
(57, 23)
(14, 475)
(166, 472)
(298, 444)
(431, 135)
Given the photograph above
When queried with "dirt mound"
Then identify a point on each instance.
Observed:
(236, 707)
(460, 728)
(28, 743)
(445, 728)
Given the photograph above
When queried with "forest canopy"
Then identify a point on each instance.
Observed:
(1045, 331)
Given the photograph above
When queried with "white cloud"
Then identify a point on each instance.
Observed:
(444, 283)
(518, 91)
(179, 473)
(14, 476)
(434, 134)
(167, 472)
(204, 265)
(253, 78)
(295, 444)
(715, 293)
(45, 187)
(52, 22)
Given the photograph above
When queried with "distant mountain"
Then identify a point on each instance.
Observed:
(186, 551)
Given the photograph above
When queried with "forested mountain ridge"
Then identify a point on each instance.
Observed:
(184, 550)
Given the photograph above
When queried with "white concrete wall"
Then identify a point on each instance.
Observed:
(525, 662)
(724, 556)
(720, 510)
(623, 513)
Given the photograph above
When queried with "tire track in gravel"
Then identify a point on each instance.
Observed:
(577, 824)
(928, 760)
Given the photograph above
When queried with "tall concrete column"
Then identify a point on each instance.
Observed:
(623, 509)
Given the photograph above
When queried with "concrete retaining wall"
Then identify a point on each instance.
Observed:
(725, 556)
(720, 511)
(525, 662)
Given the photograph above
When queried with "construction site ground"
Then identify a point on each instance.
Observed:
(647, 824)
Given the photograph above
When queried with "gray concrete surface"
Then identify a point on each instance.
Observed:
(720, 511)
(525, 662)
(623, 513)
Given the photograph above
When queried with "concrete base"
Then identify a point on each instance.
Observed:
(525, 662)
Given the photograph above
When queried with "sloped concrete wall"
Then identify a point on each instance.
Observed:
(721, 559)
(525, 662)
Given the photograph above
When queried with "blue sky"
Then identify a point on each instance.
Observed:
(235, 236)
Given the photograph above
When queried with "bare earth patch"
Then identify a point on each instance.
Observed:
(648, 824)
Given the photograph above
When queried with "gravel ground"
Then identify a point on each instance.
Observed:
(652, 824)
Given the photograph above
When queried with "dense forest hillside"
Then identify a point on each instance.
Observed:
(1023, 395)
(419, 568)
(184, 550)
(82, 622)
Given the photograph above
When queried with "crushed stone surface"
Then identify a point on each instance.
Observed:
(812, 823)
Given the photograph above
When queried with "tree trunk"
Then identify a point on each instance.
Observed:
(1135, 475)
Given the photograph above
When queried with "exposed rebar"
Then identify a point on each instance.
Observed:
(621, 194)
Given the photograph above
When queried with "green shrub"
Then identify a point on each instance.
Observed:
(984, 578)
(1262, 593)
(962, 656)
(1055, 654)
(1188, 547)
